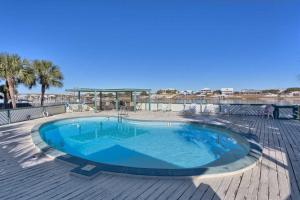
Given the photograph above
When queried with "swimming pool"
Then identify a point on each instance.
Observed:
(154, 146)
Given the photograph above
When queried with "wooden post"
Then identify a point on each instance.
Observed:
(95, 100)
(134, 101)
(149, 101)
(131, 100)
(78, 96)
(8, 116)
(101, 101)
(117, 101)
(295, 112)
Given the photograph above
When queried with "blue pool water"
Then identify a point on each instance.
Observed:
(143, 144)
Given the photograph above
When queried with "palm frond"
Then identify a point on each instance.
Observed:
(47, 73)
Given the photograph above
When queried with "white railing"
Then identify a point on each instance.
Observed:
(230, 109)
(8, 116)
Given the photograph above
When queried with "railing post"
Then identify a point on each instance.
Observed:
(134, 101)
(117, 101)
(149, 101)
(295, 112)
(8, 116)
(95, 100)
(200, 107)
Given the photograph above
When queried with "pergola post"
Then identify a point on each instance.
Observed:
(149, 101)
(134, 101)
(131, 97)
(117, 101)
(78, 96)
(95, 100)
(101, 101)
(131, 100)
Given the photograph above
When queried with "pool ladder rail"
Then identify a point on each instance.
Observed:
(120, 119)
(123, 111)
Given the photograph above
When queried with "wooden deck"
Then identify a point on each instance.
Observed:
(26, 174)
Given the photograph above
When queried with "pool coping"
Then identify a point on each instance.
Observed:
(243, 164)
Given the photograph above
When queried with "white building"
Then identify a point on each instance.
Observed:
(187, 92)
(206, 91)
(227, 91)
(294, 94)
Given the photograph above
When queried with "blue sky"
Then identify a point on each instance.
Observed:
(159, 44)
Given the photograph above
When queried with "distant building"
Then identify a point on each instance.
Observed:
(49, 98)
(187, 92)
(206, 91)
(294, 94)
(227, 91)
(291, 91)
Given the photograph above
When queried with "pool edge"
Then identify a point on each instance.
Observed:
(251, 159)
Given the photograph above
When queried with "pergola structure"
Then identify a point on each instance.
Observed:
(133, 93)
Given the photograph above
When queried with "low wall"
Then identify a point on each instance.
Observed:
(79, 107)
(200, 108)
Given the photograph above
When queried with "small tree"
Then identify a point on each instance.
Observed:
(217, 92)
(160, 92)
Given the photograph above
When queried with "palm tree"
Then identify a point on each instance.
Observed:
(4, 87)
(47, 75)
(15, 70)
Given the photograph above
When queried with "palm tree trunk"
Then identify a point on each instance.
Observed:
(11, 89)
(6, 95)
(43, 95)
(5, 100)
